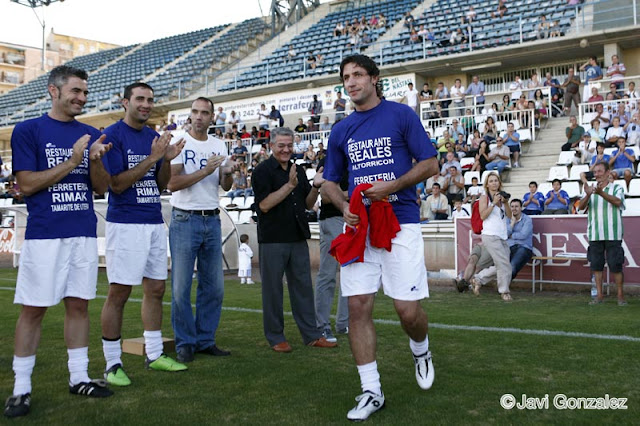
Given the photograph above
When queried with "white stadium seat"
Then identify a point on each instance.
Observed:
(558, 172)
(634, 188)
(576, 170)
(487, 173)
(623, 184)
(631, 207)
(572, 189)
(565, 158)
(470, 175)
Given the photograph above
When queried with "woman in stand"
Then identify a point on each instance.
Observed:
(482, 158)
(494, 211)
(490, 133)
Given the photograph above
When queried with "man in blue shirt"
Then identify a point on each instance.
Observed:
(512, 140)
(377, 144)
(621, 161)
(557, 200)
(593, 73)
(533, 201)
(476, 88)
(136, 238)
(520, 231)
(57, 163)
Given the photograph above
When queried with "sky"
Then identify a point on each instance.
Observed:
(122, 22)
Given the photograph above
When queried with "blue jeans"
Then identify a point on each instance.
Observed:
(520, 255)
(194, 237)
(236, 193)
(497, 165)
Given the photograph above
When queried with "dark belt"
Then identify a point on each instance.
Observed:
(214, 212)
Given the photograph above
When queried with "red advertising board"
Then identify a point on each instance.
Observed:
(556, 234)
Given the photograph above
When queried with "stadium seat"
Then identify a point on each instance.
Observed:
(558, 172)
(576, 170)
(467, 162)
(470, 175)
(485, 174)
(634, 188)
(565, 158)
(623, 184)
(544, 187)
(572, 189)
(631, 207)
(525, 135)
(244, 216)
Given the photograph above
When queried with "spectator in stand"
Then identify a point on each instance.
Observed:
(632, 92)
(373, 22)
(572, 91)
(603, 116)
(621, 161)
(616, 72)
(263, 117)
(311, 61)
(622, 115)
(554, 84)
(533, 201)
(597, 134)
(435, 207)
(275, 115)
(499, 156)
(542, 30)
(476, 89)
(557, 200)
(457, 93)
(338, 30)
(172, 124)
(311, 126)
(321, 152)
(325, 125)
(613, 133)
(595, 96)
(490, 132)
(613, 93)
(555, 29)
(511, 139)
(339, 106)
(452, 161)
(239, 187)
(408, 20)
(473, 143)
(533, 84)
(585, 150)
(443, 93)
(453, 185)
(309, 156)
(482, 157)
(428, 186)
(382, 21)
(301, 127)
(254, 133)
(456, 129)
(468, 17)
(593, 73)
(299, 147)
(501, 11)
(414, 37)
(411, 97)
(540, 102)
(220, 119)
(240, 151)
(574, 134)
(315, 109)
(458, 210)
(474, 192)
(600, 157)
(516, 88)
(423, 33)
(234, 120)
(443, 141)
(632, 129)
(490, 111)
(461, 149)
(426, 97)
(263, 137)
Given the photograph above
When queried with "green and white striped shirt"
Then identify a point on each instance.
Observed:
(605, 219)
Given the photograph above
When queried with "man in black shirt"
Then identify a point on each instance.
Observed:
(282, 192)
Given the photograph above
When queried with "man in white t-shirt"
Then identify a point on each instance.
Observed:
(263, 117)
(411, 96)
(457, 93)
(195, 233)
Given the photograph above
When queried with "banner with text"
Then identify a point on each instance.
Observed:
(553, 235)
(297, 101)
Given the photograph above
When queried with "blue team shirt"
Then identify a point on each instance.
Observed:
(379, 144)
(623, 162)
(141, 202)
(555, 204)
(532, 206)
(65, 209)
(605, 159)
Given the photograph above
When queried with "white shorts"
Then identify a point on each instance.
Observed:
(244, 273)
(401, 272)
(52, 269)
(136, 251)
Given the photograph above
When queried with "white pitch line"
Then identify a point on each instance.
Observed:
(441, 326)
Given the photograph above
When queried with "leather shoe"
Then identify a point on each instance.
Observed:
(214, 350)
(322, 343)
(184, 354)
(283, 347)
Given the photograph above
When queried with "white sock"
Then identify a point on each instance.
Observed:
(370, 378)
(419, 348)
(78, 365)
(22, 368)
(153, 344)
(112, 352)
(242, 281)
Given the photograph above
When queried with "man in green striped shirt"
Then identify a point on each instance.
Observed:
(604, 228)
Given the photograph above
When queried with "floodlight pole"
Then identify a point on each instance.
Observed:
(32, 4)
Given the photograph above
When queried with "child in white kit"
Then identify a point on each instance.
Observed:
(244, 260)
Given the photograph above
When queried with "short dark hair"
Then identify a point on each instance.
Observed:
(474, 178)
(129, 89)
(594, 58)
(60, 75)
(435, 184)
(203, 99)
(604, 164)
(244, 238)
(557, 180)
(533, 182)
(516, 200)
(365, 62)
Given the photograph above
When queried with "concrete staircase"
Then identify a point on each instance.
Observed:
(538, 157)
